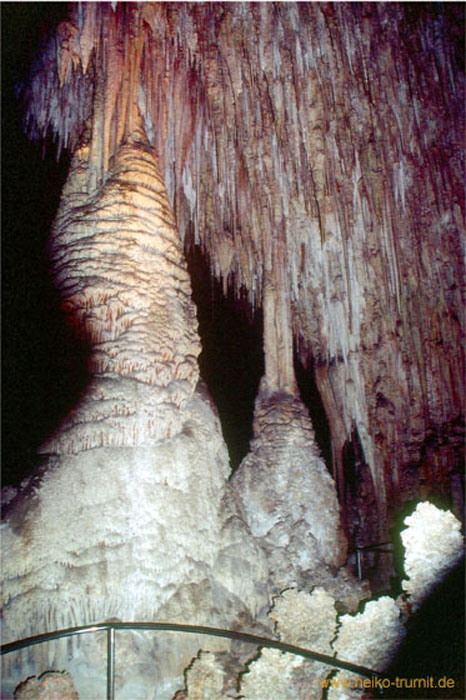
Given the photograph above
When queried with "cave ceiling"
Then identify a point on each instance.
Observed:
(313, 152)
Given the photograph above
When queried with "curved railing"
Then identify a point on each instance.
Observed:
(111, 627)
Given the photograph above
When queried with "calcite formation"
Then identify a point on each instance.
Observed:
(289, 498)
(433, 546)
(370, 638)
(204, 679)
(133, 533)
(119, 266)
(313, 151)
(49, 686)
(127, 519)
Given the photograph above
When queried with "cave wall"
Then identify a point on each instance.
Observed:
(314, 148)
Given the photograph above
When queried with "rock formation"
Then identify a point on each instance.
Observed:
(370, 637)
(49, 686)
(313, 152)
(128, 518)
(315, 149)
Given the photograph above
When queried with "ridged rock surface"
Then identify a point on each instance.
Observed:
(132, 516)
(118, 263)
(316, 147)
(289, 498)
(433, 546)
(314, 151)
(49, 686)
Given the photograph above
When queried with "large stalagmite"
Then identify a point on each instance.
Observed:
(313, 151)
(127, 520)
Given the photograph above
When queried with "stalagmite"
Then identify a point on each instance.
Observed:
(127, 518)
(288, 495)
(119, 266)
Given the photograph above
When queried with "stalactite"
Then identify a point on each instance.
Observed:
(335, 126)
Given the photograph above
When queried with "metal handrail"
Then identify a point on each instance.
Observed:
(111, 627)
(368, 548)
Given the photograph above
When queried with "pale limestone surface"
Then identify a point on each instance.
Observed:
(306, 620)
(302, 619)
(433, 545)
(127, 519)
(271, 676)
(289, 497)
(204, 679)
(371, 639)
(144, 541)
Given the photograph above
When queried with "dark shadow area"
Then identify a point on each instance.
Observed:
(358, 494)
(310, 396)
(43, 368)
(231, 362)
(434, 647)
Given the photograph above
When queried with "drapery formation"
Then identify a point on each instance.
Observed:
(312, 149)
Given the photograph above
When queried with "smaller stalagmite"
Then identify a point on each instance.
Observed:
(289, 497)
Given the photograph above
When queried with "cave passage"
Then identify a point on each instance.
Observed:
(232, 360)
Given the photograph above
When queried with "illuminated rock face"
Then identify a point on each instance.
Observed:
(119, 266)
(50, 686)
(314, 152)
(370, 636)
(132, 516)
(289, 497)
(433, 545)
(312, 149)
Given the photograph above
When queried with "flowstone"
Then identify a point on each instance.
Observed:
(368, 638)
(52, 685)
(148, 539)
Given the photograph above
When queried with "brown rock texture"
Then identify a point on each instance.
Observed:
(52, 685)
(313, 149)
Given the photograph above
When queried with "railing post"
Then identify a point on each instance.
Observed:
(110, 663)
(359, 563)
